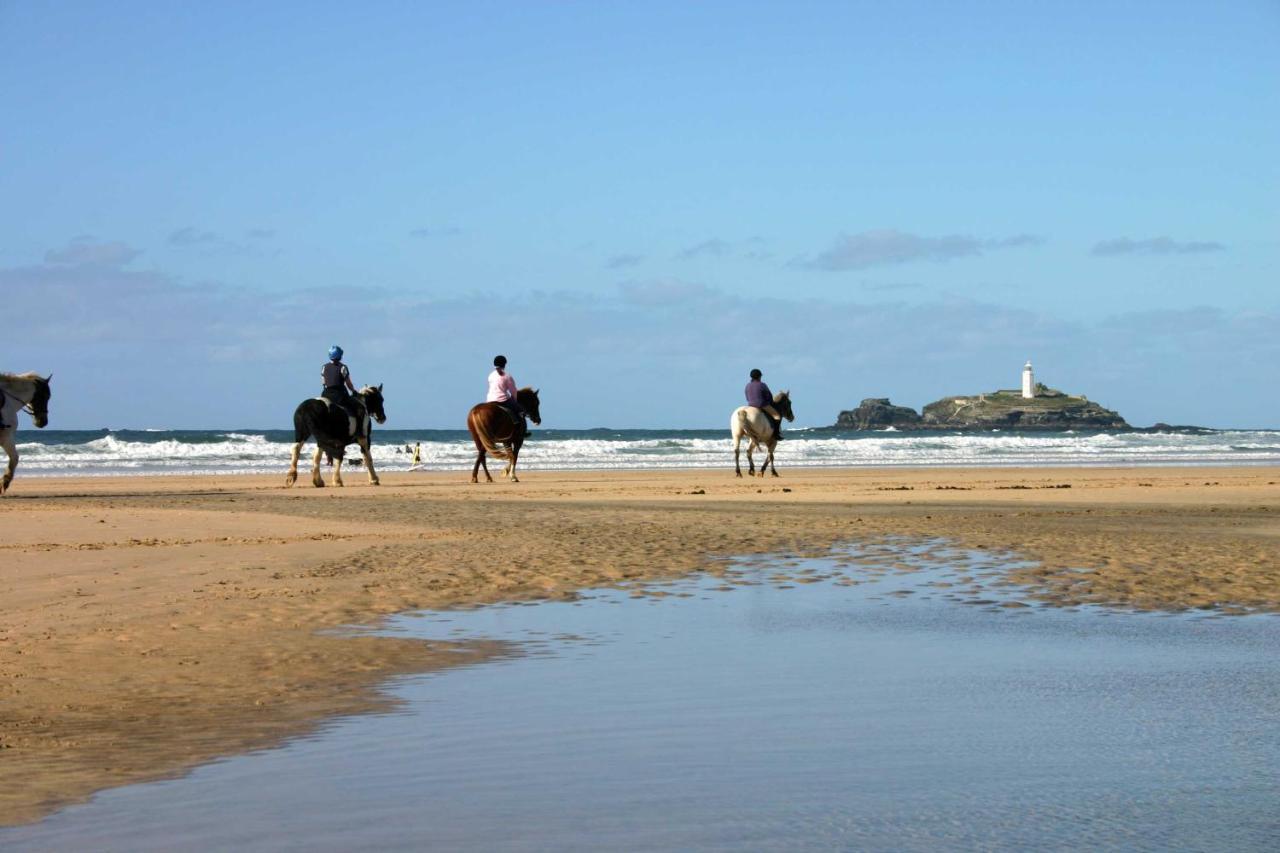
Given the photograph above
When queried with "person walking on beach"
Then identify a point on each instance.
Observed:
(759, 395)
(338, 387)
(502, 390)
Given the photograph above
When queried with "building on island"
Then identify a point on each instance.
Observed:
(1028, 381)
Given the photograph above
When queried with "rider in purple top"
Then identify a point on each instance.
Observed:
(759, 395)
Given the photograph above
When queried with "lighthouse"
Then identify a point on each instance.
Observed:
(1028, 381)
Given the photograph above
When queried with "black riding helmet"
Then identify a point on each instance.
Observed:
(499, 361)
(756, 374)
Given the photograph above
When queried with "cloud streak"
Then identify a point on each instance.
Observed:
(1154, 246)
(618, 262)
(85, 251)
(714, 247)
(691, 340)
(428, 232)
(889, 247)
(192, 236)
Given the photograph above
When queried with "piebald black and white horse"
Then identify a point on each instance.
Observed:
(751, 423)
(334, 429)
(20, 392)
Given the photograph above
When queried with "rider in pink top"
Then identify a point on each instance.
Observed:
(502, 390)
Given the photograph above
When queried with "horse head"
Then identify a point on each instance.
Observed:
(373, 402)
(38, 405)
(528, 400)
(782, 402)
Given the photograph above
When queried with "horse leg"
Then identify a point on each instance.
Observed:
(12, 451)
(751, 459)
(316, 479)
(292, 476)
(769, 463)
(511, 466)
(475, 469)
(337, 473)
(737, 456)
(367, 452)
(484, 460)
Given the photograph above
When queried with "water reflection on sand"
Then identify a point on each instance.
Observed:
(895, 696)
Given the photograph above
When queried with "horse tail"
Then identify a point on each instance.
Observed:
(477, 424)
(301, 429)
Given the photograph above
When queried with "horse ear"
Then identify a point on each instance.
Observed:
(379, 387)
(535, 391)
(47, 378)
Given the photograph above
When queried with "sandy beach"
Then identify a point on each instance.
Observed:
(152, 624)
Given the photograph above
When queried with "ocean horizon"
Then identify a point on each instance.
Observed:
(103, 452)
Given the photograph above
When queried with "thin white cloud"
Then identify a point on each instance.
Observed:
(1154, 246)
(887, 247)
(192, 236)
(618, 262)
(714, 247)
(85, 251)
(435, 231)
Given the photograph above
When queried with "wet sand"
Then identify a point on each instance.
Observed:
(151, 624)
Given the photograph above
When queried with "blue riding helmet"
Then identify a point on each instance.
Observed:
(335, 353)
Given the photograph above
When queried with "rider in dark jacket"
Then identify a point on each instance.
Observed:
(338, 387)
(759, 395)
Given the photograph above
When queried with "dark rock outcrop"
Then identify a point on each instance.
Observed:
(878, 413)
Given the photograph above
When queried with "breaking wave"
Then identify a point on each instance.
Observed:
(67, 453)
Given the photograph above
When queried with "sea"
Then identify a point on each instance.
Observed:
(61, 453)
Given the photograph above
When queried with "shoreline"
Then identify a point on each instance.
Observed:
(157, 622)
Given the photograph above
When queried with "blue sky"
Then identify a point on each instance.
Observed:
(639, 202)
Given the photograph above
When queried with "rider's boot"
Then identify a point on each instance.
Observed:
(777, 430)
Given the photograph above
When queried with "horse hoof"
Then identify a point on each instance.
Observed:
(375, 482)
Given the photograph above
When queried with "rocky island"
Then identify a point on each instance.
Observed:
(1049, 409)
(1035, 407)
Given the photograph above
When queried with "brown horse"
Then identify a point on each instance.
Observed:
(498, 435)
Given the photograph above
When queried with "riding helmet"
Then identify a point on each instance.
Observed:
(756, 374)
(499, 361)
(335, 353)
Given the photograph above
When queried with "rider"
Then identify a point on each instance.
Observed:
(337, 382)
(759, 395)
(502, 390)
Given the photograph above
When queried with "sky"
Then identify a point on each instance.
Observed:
(637, 204)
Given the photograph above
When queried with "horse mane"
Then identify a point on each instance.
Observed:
(780, 396)
(31, 376)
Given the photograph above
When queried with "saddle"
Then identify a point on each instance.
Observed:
(517, 422)
(352, 422)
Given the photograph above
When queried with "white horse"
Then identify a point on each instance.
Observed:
(754, 424)
(20, 392)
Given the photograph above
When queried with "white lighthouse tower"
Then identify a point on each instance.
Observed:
(1028, 381)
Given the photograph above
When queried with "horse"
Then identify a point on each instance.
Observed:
(334, 429)
(754, 424)
(497, 434)
(20, 392)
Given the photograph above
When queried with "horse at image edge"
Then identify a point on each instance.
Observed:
(20, 392)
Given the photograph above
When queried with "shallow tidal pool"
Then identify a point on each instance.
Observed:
(888, 698)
